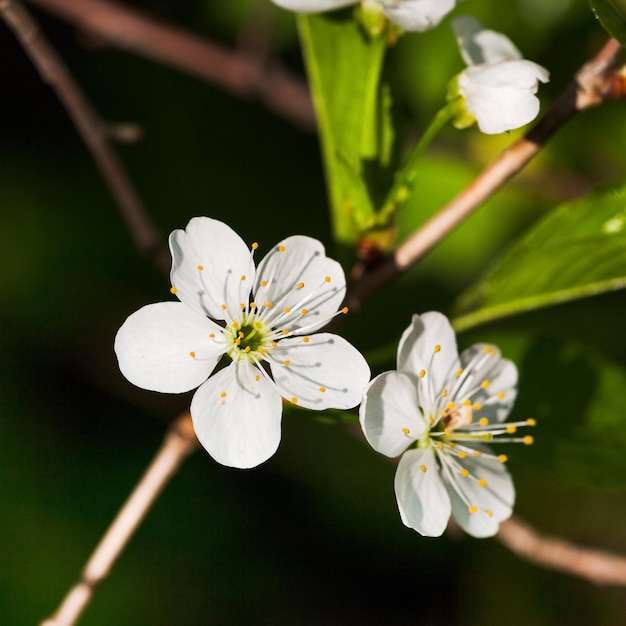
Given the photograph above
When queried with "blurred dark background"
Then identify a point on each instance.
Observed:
(313, 536)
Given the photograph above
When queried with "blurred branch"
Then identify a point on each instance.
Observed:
(591, 85)
(235, 72)
(94, 131)
(596, 566)
(179, 442)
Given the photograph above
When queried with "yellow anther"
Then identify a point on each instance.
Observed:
(300, 285)
(223, 307)
(422, 373)
(464, 472)
(247, 349)
(529, 440)
(240, 334)
(467, 402)
(323, 389)
(482, 482)
(255, 245)
(511, 429)
(492, 352)
(406, 431)
(345, 310)
(294, 400)
(268, 304)
(286, 362)
(447, 431)
(477, 452)
(263, 283)
(489, 512)
(243, 277)
(459, 371)
(200, 267)
(485, 384)
(274, 344)
(235, 324)
(327, 279)
(503, 458)
(472, 509)
(223, 394)
(305, 339)
(437, 348)
(477, 406)
(212, 336)
(531, 421)
(452, 445)
(462, 454)
(440, 445)
(173, 290)
(284, 331)
(431, 420)
(450, 406)
(304, 311)
(501, 395)
(444, 393)
(281, 248)
(237, 342)
(486, 349)
(423, 468)
(192, 355)
(257, 377)
(253, 305)
(287, 310)
(483, 421)
(242, 306)
(262, 351)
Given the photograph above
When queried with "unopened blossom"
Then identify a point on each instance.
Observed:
(497, 90)
(262, 320)
(411, 15)
(439, 410)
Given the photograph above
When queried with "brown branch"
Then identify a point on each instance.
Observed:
(235, 73)
(179, 442)
(94, 132)
(596, 566)
(590, 87)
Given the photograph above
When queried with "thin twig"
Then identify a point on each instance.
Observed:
(596, 566)
(93, 130)
(238, 74)
(179, 442)
(590, 87)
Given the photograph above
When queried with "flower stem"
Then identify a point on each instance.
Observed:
(180, 441)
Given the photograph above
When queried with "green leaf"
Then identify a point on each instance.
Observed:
(576, 397)
(344, 65)
(576, 251)
(612, 15)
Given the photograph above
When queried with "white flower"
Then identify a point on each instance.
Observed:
(444, 407)
(498, 88)
(411, 15)
(265, 320)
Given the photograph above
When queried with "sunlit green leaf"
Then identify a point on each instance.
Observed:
(577, 250)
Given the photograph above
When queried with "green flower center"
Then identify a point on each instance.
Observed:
(248, 338)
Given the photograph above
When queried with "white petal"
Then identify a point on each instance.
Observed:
(501, 97)
(417, 15)
(422, 498)
(325, 362)
(389, 409)
(497, 497)
(300, 278)
(236, 415)
(487, 379)
(479, 46)
(312, 6)
(417, 353)
(154, 347)
(224, 258)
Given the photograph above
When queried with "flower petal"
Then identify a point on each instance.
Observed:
(422, 498)
(390, 415)
(501, 97)
(312, 6)
(304, 286)
(494, 502)
(236, 415)
(417, 15)
(479, 46)
(211, 267)
(418, 355)
(319, 371)
(166, 347)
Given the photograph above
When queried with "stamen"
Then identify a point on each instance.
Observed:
(482, 482)
(294, 399)
(327, 279)
(192, 355)
(300, 285)
(281, 248)
(263, 283)
(286, 362)
(503, 458)
(485, 384)
(212, 336)
(305, 339)
(423, 468)
(322, 389)
(304, 311)
(437, 348)
(287, 310)
(531, 421)
(223, 307)
(489, 512)
(472, 509)
(528, 440)
(464, 472)
(422, 373)
(483, 421)
(406, 431)
(345, 310)
(255, 245)
(200, 268)
(501, 395)
(223, 394)
(268, 305)
(173, 290)
(511, 429)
